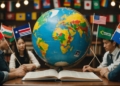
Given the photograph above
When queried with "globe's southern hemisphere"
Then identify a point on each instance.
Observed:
(61, 37)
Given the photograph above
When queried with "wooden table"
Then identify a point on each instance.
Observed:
(19, 82)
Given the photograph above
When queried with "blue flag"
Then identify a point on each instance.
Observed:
(116, 35)
(22, 31)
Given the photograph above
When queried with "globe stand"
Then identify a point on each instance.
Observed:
(59, 69)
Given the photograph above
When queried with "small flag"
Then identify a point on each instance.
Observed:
(67, 2)
(37, 4)
(20, 16)
(118, 18)
(99, 19)
(9, 6)
(46, 3)
(10, 16)
(1, 36)
(22, 31)
(116, 35)
(56, 3)
(111, 18)
(105, 33)
(31, 16)
(77, 3)
(104, 3)
(87, 4)
(96, 4)
(7, 31)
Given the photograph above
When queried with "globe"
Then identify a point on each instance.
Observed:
(61, 37)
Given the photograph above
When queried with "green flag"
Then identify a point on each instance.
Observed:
(96, 4)
(105, 33)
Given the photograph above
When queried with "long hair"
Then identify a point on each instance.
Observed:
(17, 54)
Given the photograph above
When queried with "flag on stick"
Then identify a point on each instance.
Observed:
(105, 33)
(116, 35)
(7, 31)
(22, 31)
(99, 19)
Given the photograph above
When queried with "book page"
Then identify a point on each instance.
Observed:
(74, 75)
(39, 75)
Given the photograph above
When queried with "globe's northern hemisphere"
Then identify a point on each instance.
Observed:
(61, 37)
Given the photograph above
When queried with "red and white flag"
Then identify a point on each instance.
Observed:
(99, 19)
(87, 4)
(56, 3)
(9, 6)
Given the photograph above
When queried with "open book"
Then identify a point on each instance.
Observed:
(64, 75)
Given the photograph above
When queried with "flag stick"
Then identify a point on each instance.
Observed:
(16, 47)
(93, 57)
(93, 23)
(96, 39)
(91, 60)
(29, 26)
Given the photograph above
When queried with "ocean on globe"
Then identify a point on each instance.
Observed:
(61, 37)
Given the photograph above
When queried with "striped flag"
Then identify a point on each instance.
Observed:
(99, 19)
(9, 6)
(67, 2)
(104, 3)
(116, 35)
(37, 4)
(7, 32)
(22, 31)
(56, 3)
(77, 3)
(46, 3)
(111, 18)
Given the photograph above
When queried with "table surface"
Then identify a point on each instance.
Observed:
(19, 82)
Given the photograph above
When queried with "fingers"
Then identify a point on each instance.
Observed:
(85, 68)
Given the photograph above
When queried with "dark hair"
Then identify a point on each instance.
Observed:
(26, 56)
(117, 45)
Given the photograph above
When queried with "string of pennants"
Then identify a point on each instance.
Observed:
(87, 4)
(34, 16)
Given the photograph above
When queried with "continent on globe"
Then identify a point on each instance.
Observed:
(61, 37)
